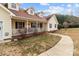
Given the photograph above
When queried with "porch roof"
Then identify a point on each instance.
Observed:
(20, 15)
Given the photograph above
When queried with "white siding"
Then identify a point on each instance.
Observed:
(7, 28)
(54, 22)
(29, 11)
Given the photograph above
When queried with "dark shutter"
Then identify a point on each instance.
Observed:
(19, 25)
(41, 25)
(16, 25)
(23, 24)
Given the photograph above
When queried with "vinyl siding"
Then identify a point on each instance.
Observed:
(6, 19)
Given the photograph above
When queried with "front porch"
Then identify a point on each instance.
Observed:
(20, 27)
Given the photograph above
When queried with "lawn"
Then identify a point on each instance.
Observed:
(30, 46)
(74, 34)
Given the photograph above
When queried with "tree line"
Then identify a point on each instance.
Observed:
(68, 21)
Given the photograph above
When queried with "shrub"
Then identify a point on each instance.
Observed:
(60, 26)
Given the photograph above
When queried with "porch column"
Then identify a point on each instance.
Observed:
(27, 26)
(37, 26)
(44, 27)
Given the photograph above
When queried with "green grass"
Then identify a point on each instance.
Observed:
(29, 46)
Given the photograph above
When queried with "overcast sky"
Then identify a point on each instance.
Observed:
(54, 8)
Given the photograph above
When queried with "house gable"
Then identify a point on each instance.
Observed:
(30, 11)
(6, 23)
(7, 10)
(53, 19)
(52, 23)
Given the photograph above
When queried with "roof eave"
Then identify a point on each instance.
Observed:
(30, 19)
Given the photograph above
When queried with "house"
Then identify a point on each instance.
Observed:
(15, 22)
(52, 23)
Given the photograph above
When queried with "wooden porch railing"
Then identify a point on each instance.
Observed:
(25, 31)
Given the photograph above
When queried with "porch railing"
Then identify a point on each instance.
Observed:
(25, 31)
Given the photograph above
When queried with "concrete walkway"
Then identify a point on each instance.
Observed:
(64, 47)
(4, 41)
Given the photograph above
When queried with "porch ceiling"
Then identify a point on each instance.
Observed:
(29, 19)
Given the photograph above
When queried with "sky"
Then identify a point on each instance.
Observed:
(54, 8)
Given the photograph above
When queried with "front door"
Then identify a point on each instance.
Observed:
(0, 30)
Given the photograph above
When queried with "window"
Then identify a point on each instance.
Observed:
(41, 25)
(13, 5)
(33, 25)
(55, 25)
(50, 25)
(19, 25)
(31, 11)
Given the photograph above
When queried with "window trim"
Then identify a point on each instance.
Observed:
(33, 24)
(1, 29)
(55, 25)
(31, 12)
(50, 25)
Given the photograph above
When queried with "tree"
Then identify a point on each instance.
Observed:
(66, 25)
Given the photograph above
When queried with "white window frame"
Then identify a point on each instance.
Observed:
(33, 24)
(2, 29)
(50, 25)
(55, 25)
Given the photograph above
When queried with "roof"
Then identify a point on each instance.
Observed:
(28, 16)
(24, 15)
(30, 8)
(54, 15)
(49, 16)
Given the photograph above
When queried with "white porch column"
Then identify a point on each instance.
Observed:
(44, 27)
(27, 26)
(37, 25)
